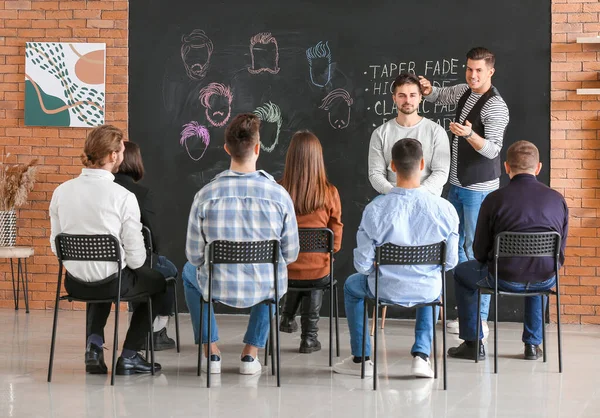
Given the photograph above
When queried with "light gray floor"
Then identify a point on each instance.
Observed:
(309, 387)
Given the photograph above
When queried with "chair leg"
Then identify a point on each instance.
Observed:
(26, 286)
(115, 344)
(495, 332)
(15, 294)
(478, 325)
(374, 351)
(208, 357)
(337, 322)
(543, 328)
(330, 324)
(18, 281)
(277, 346)
(383, 314)
(148, 344)
(200, 335)
(558, 329)
(435, 365)
(53, 341)
(271, 351)
(364, 340)
(150, 336)
(176, 315)
(444, 343)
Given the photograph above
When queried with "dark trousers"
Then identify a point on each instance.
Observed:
(133, 282)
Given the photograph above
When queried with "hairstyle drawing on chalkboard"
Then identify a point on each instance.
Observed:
(264, 59)
(196, 50)
(304, 175)
(194, 130)
(338, 103)
(319, 63)
(270, 113)
(216, 98)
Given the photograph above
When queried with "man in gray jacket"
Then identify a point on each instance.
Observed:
(407, 94)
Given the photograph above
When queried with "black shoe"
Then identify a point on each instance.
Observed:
(309, 345)
(467, 351)
(288, 324)
(533, 352)
(161, 341)
(94, 360)
(135, 364)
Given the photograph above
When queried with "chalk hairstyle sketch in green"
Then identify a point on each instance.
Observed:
(270, 112)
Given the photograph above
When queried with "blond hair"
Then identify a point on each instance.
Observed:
(99, 144)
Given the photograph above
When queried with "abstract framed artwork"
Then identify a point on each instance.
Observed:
(65, 84)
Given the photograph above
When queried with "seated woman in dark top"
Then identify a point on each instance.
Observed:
(130, 173)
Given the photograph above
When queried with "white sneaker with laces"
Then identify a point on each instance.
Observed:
(215, 364)
(421, 368)
(250, 365)
(486, 329)
(349, 367)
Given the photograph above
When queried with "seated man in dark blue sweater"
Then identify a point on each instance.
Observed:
(524, 205)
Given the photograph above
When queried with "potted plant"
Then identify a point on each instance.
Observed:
(16, 181)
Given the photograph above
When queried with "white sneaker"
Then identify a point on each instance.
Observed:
(348, 366)
(421, 368)
(486, 329)
(452, 326)
(250, 365)
(215, 364)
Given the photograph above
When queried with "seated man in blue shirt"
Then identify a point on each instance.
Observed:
(525, 205)
(408, 216)
(240, 204)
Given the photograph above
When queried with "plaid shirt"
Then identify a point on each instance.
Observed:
(242, 207)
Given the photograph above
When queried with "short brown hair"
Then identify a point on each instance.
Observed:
(522, 156)
(407, 154)
(99, 144)
(241, 135)
(406, 78)
(304, 175)
(481, 53)
(132, 164)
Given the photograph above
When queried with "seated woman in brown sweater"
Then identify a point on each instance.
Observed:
(317, 204)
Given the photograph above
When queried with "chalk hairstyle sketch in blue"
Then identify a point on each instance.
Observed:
(319, 63)
(196, 50)
(338, 103)
(271, 113)
(192, 130)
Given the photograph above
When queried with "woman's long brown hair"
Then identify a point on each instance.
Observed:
(304, 176)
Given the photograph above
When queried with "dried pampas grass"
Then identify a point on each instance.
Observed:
(16, 181)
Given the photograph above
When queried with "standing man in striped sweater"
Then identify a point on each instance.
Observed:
(478, 134)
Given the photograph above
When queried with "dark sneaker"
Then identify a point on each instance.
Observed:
(135, 364)
(533, 352)
(161, 341)
(467, 351)
(94, 360)
(309, 345)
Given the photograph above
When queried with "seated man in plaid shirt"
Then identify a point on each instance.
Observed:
(240, 204)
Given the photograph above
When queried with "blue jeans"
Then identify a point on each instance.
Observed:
(258, 325)
(471, 275)
(467, 204)
(356, 289)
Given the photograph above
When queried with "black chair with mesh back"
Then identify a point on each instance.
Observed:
(93, 248)
(390, 254)
(320, 240)
(524, 244)
(234, 252)
(170, 280)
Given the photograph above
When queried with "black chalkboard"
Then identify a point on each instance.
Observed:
(326, 66)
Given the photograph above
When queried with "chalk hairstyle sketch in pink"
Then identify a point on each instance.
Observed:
(338, 103)
(194, 130)
(264, 58)
(216, 98)
(196, 50)
(319, 63)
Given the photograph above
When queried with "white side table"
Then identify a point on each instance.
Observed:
(18, 253)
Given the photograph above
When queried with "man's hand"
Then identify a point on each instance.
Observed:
(461, 130)
(425, 86)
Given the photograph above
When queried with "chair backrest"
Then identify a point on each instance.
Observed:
(88, 248)
(250, 252)
(315, 240)
(527, 244)
(147, 234)
(433, 254)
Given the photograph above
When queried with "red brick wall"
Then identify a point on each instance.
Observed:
(575, 145)
(57, 149)
(575, 135)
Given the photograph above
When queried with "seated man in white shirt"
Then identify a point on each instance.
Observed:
(93, 204)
